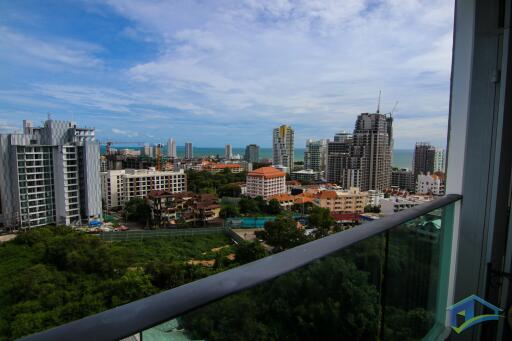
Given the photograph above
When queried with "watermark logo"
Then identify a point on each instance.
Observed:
(466, 309)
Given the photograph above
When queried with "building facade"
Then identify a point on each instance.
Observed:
(171, 148)
(350, 201)
(252, 153)
(283, 147)
(265, 182)
(49, 175)
(424, 159)
(440, 160)
(363, 159)
(228, 152)
(403, 179)
(431, 184)
(119, 186)
(315, 155)
(189, 151)
(307, 175)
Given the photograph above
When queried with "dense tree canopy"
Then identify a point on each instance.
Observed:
(50, 276)
(206, 182)
(136, 209)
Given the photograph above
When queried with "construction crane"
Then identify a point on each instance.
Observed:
(109, 143)
(394, 108)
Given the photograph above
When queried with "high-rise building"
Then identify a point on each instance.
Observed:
(149, 150)
(363, 159)
(282, 147)
(423, 159)
(228, 152)
(189, 151)
(403, 179)
(252, 153)
(440, 160)
(339, 169)
(49, 175)
(171, 148)
(315, 155)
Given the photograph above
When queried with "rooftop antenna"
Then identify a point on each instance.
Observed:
(378, 104)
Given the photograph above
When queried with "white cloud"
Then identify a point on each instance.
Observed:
(18, 47)
(126, 133)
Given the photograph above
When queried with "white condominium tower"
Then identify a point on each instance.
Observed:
(315, 155)
(282, 147)
(171, 148)
(189, 151)
(439, 160)
(49, 175)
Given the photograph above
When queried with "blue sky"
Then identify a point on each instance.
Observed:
(217, 72)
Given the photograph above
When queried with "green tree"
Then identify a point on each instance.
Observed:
(321, 219)
(136, 209)
(246, 252)
(229, 211)
(229, 190)
(282, 233)
(273, 207)
(248, 205)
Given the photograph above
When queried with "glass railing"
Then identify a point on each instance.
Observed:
(388, 287)
(383, 280)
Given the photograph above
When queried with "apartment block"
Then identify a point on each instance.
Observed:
(171, 148)
(49, 175)
(119, 186)
(403, 179)
(423, 159)
(440, 160)
(342, 201)
(252, 153)
(431, 184)
(282, 147)
(315, 155)
(189, 151)
(265, 182)
(228, 152)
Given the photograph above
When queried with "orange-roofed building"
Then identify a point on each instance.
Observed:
(265, 182)
(285, 200)
(351, 201)
(219, 167)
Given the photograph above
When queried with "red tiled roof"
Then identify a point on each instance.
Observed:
(222, 165)
(326, 195)
(282, 197)
(267, 173)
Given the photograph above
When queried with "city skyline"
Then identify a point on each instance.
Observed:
(136, 74)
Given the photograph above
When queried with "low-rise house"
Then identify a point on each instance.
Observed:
(169, 209)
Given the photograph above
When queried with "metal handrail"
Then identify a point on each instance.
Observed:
(131, 318)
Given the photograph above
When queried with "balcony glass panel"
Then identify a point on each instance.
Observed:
(391, 286)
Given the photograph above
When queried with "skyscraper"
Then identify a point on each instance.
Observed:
(149, 151)
(171, 148)
(423, 159)
(252, 153)
(315, 155)
(189, 151)
(373, 146)
(439, 160)
(363, 159)
(228, 152)
(282, 147)
(339, 168)
(49, 175)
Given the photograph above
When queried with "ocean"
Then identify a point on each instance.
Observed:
(402, 158)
